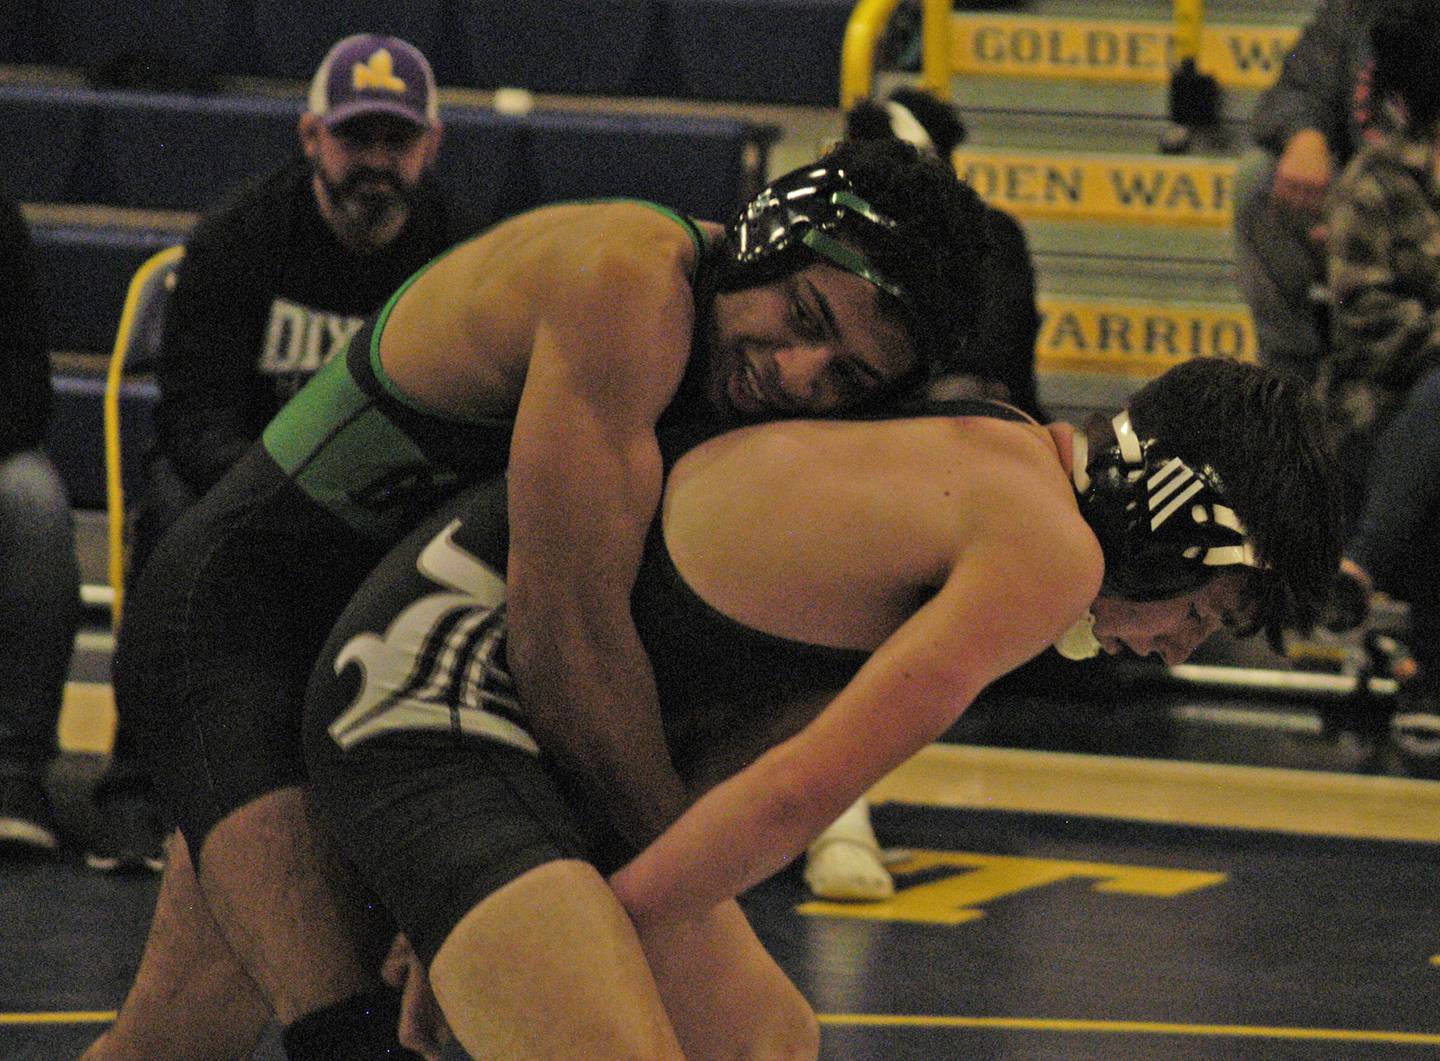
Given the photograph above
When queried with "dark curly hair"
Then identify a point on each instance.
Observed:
(1405, 35)
(937, 252)
(1262, 434)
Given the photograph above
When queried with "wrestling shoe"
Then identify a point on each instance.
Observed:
(27, 826)
(125, 834)
(842, 868)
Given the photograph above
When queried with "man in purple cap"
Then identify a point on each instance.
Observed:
(273, 284)
(371, 132)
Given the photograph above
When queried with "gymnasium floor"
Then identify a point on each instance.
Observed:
(1103, 863)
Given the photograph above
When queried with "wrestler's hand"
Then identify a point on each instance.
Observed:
(422, 1025)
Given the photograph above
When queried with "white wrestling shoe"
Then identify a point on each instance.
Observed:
(845, 861)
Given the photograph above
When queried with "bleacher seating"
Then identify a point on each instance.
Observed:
(42, 134)
(152, 151)
(166, 151)
(84, 270)
(184, 36)
(763, 51)
(561, 46)
(288, 38)
(76, 440)
(770, 51)
(144, 155)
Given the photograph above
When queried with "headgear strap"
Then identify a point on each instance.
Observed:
(1163, 525)
(807, 207)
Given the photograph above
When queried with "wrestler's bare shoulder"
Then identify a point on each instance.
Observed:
(963, 459)
(460, 337)
(874, 513)
(563, 233)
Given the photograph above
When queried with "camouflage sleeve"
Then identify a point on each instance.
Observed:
(1386, 317)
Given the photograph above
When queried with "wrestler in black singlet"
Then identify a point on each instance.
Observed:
(225, 622)
(421, 767)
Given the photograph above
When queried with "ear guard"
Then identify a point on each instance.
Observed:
(1163, 526)
(805, 210)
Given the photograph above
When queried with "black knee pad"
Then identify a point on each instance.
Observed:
(360, 1028)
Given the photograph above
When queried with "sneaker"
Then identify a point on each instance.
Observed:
(26, 823)
(126, 835)
(845, 861)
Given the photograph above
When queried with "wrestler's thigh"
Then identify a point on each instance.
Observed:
(549, 966)
(434, 823)
(211, 676)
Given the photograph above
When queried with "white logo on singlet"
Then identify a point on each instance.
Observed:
(440, 664)
(299, 339)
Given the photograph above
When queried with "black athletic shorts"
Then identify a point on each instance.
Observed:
(421, 771)
(218, 638)
(230, 611)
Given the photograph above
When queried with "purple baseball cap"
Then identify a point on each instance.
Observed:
(373, 74)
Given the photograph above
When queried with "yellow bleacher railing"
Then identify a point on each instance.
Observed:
(1189, 18)
(147, 288)
(862, 35)
(1116, 50)
(857, 51)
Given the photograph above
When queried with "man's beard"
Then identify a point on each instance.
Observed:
(366, 211)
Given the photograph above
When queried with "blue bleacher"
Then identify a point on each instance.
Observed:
(43, 134)
(22, 35)
(563, 46)
(769, 51)
(84, 271)
(288, 38)
(682, 162)
(759, 51)
(76, 440)
(178, 153)
(181, 35)
(162, 151)
(171, 156)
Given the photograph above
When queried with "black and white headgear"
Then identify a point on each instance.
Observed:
(1163, 525)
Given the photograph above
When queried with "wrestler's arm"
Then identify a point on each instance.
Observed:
(998, 608)
(585, 479)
